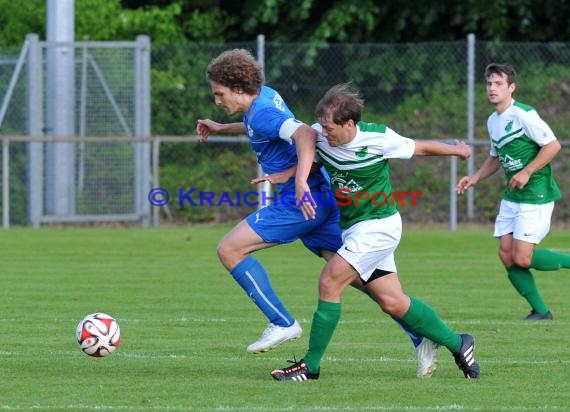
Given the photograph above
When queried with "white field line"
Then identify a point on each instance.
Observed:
(450, 407)
(183, 357)
(372, 321)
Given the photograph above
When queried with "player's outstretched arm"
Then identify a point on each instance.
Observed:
(206, 127)
(489, 167)
(277, 177)
(282, 177)
(435, 148)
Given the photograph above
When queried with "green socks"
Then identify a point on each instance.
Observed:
(421, 318)
(546, 259)
(523, 281)
(325, 319)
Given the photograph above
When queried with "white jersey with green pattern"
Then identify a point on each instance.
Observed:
(517, 135)
(360, 171)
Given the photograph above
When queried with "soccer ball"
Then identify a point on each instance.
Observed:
(98, 334)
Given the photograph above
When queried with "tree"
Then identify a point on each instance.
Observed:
(335, 21)
(19, 18)
(357, 21)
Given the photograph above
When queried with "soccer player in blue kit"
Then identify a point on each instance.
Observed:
(237, 82)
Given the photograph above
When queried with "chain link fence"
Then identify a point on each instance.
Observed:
(430, 90)
(424, 91)
(94, 89)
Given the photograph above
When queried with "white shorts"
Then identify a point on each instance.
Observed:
(525, 221)
(370, 245)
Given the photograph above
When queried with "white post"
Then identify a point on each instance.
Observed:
(265, 187)
(60, 108)
(35, 98)
(142, 129)
(453, 194)
(470, 117)
(6, 183)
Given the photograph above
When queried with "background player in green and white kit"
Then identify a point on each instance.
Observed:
(356, 154)
(523, 145)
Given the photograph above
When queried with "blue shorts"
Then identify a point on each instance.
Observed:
(281, 223)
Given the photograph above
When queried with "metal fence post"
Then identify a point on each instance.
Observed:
(6, 183)
(60, 112)
(263, 189)
(453, 194)
(142, 128)
(35, 121)
(470, 117)
(155, 177)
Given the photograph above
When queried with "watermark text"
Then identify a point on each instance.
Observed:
(342, 197)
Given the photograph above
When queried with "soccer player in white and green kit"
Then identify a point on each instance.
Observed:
(356, 156)
(523, 145)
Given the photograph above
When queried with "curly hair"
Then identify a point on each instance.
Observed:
(236, 69)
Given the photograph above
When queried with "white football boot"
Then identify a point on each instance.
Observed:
(274, 336)
(426, 353)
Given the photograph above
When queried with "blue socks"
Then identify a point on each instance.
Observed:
(253, 279)
(416, 339)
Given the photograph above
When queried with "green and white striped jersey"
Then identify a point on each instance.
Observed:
(517, 135)
(360, 171)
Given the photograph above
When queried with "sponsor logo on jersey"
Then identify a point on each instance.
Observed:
(362, 152)
(509, 126)
(510, 164)
(342, 181)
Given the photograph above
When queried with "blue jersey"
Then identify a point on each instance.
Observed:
(262, 122)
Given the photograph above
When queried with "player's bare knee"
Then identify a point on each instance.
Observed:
(394, 306)
(330, 288)
(326, 283)
(221, 250)
(228, 255)
(522, 261)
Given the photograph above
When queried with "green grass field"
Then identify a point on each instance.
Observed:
(185, 326)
